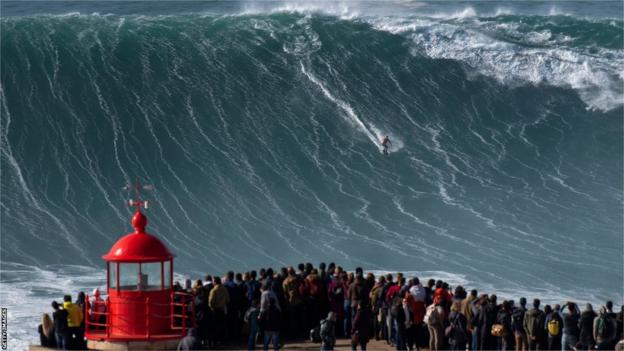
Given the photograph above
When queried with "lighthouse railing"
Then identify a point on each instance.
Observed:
(181, 315)
(96, 316)
(180, 304)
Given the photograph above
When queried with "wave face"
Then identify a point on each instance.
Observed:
(260, 134)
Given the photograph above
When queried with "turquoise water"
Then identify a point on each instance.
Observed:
(258, 124)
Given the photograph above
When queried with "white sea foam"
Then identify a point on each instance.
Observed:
(596, 77)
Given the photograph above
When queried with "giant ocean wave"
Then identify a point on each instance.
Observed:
(259, 132)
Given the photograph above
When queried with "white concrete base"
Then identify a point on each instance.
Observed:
(132, 345)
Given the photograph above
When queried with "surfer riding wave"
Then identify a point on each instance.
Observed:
(384, 143)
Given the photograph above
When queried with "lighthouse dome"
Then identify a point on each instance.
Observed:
(138, 246)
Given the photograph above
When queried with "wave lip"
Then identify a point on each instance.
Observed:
(595, 74)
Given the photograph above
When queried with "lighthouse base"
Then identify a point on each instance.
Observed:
(171, 344)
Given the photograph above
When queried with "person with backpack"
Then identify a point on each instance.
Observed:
(570, 324)
(434, 318)
(467, 311)
(456, 332)
(604, 330)
(586, 325)
(534, 325)
(327, 332)
(517, 325)
(270, 324)
(376, 301)
(392, 298)
(504, 318)
(554, 328)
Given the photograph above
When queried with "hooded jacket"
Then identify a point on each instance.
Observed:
(534, 322)
(219, 297)
(74, 314)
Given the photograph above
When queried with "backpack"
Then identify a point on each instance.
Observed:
(604, 327)
(429, 318)
(554, 327)
(456, 331)
(394, 310)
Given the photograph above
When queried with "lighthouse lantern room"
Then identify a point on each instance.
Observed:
(141, 311)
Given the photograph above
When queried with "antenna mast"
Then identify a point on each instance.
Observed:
(137, 187)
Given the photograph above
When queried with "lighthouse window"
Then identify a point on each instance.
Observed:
(128, 276)
(112, 275)
(151, 276)
(167, 274)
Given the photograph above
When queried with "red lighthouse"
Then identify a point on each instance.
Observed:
(142, 311)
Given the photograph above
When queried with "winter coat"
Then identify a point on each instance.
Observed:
(534, 323)
(74, 314)
(362, 323)
(335, 295)
(485, 319)
(291, 290)
(357, 293)
(60, 321)
(466, 309)
(586, 324)
(219, 297)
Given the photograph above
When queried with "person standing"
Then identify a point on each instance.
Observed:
(517, 325)
(218, 301)
(485, 319)
(504, 318)
(61, 330)
(74, 320)
(458, 334)
(586, 325)
(335, 297)
(361, 329)
(554, 329)
(571, 330)
(534, 325)
(604, 330)
(46, 331)
(270, 323)
(251, 318)
(435, 322)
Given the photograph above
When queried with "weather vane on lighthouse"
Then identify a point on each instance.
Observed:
(137, 187)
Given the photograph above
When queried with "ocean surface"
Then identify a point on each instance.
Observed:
(258, 124)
